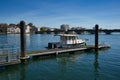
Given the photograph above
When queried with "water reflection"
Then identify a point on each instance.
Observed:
(10, 73)
(16, 72)
(96, 65)
(23, 71)
(3, 40)
(29, 42)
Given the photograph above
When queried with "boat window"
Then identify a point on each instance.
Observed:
(77, 37)
(70, 38)
(63, 38)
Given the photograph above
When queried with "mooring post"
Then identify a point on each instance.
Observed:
(23, 55)
(96, 37)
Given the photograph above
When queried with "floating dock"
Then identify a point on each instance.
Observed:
(11, 59)
(65, 50)
(10, 63)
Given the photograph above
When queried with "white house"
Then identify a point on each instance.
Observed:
(27, 29)
(13, 30)
(38, 29)
(17, 30)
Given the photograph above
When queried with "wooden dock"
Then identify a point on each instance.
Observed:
(11, 59)
(10, 63)
(65, 50)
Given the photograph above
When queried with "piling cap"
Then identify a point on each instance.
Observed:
(22, 23)
(96, 25)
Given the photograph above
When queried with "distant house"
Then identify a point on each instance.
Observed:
(27, 29)
(16, 29)
(11, 30)
(38, 29)
(8, 30)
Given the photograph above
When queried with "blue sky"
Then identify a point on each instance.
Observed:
(53, 13)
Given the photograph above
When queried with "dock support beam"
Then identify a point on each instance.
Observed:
(23, 55)
(96, 37)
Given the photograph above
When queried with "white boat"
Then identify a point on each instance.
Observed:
(67, 40)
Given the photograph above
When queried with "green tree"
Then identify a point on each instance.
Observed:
(43, 28)
(30, 24)
(3, 28)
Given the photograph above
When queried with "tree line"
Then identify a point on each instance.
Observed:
(4, 26)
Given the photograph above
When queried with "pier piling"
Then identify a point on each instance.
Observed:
(23, 41)
(96, 37)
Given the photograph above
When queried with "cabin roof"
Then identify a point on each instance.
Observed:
(67, 35)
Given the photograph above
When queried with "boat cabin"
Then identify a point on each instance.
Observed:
(67, 40)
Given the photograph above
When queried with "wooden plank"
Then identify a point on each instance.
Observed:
(10, 63)
(64, 50)
(13, 61)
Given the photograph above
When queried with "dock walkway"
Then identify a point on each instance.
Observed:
(9, 56)
(65, 50)
(10, 59)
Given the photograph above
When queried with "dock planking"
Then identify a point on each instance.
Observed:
(8, 61)
(58, 51)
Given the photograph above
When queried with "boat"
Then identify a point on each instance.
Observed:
(67, 41)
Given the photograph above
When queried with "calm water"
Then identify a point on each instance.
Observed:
(77, 66)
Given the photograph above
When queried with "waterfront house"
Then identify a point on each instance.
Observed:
(16, 29)
(27, 29)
